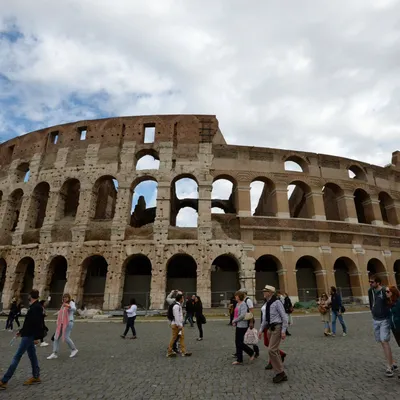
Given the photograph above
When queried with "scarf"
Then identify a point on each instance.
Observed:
(62, 321)
(268, 310)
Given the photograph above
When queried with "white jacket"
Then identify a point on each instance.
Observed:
(178, 315)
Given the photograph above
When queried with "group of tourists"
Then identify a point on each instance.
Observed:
(276, 317)
(33, 332)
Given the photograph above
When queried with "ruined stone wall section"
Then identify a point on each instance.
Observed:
(186, 146)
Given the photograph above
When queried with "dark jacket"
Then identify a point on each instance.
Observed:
(288, 305)
(34, 322)
(15, 308)
(189, 306)
(336, 302)
(378, 304)
(395, 316)
(198, 309)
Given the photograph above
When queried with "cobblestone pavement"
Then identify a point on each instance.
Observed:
(108, 367)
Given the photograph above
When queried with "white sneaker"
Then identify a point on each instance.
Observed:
(344, 334)
(44, 344)
(52, 356)
(73, 353)
(389, 372)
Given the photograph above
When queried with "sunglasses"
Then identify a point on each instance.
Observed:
(387, 291)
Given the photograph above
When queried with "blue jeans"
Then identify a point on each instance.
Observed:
(336, 315)
(27, 345)
(68, 340)
(189, 316)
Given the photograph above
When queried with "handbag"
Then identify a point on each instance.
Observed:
(342, 309)
(322, 310)
(251, 337)
(203, 319)
(248, 316)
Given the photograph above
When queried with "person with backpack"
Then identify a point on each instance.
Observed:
(171, 300)
(337, 311)
(380, 310)
(175, 316)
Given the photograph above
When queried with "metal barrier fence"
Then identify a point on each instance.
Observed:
(143, 299)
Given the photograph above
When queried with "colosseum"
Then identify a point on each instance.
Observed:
(69, 222)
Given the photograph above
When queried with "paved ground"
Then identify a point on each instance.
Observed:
(109, 368)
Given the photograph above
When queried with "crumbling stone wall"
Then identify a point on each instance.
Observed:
(74, 206)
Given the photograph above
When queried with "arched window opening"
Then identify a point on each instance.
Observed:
(106, 197)
(148, 162)
(95, 269)
(309, 284)
(187, 217)
(376, 267)
(355, 172)
(332, 196)
(184, 202)
(182, 274)
(224, 280)
(144, 203)
(363, 205)
(263, 198)
(69, 198)
(217, 210)
(14, 208)
(300, 200)
(267, 267)
(56, 280)
(388, 209)
(296, 164)
(137, 282)
(23, 172)
(223, 195)
(3, 272)
(38, 206)
(23, 281)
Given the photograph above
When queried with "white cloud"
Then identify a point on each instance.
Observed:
(313, 76)
(187, 217)
(147, 162)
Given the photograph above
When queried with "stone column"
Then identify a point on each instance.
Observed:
(158, 280)
(282, 202)
(242, 199)
(163, 211)
(347, 208)
(122, 212)
(204, 224)
(22, 220)
(50, 217)
(114, 287)
(86, 198)
(393, 213)
(75, 280)
(327, 265)
(389, 263)
(362, 267)
(204, 279)
(287, 275)
(315, 205)
(8, 290)
(322, 283)
(247, 276)
(373, 208)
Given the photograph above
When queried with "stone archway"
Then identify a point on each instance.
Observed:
(3, 272)
(224, 279)
(94, 271)
(56, 280)
(376, 267)
(310, 278)
(347, 278)
(266, 267)
(23, 282)
(182, 274)
(137, 281)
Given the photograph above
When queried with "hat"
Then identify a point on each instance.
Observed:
(243, 290)
(269, 288)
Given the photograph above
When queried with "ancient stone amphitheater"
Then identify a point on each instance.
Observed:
(68, 222)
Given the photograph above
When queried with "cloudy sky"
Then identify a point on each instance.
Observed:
(319, 76)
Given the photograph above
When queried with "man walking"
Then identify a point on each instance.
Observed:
(380, 310)
(275, 320)
(31, 332)
(171, 299)
(189, 310)
(175, 315)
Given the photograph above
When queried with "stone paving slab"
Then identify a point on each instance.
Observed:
(108, 367)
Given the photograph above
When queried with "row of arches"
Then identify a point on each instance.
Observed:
(181, 273)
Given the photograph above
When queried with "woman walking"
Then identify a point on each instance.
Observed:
(337, 311)
(198, 312)
(15, 312)
(65, 323)
(323, 308)
(130, 322)
(393, 294)
(241, 327)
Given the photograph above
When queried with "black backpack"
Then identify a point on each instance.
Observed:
(170, 313)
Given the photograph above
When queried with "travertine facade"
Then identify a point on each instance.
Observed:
(70, 227)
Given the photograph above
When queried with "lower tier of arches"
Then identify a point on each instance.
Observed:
(107, 275)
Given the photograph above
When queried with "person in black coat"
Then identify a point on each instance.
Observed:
(15, 312)
(30, 334)
(189, 310)
(198, 312)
